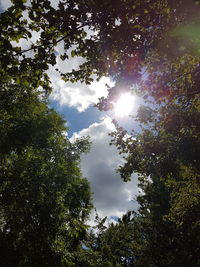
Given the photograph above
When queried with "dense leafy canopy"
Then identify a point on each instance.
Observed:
(114, 37)
(165, 153)
(44, 201)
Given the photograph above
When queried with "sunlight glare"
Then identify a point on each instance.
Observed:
(124, 105)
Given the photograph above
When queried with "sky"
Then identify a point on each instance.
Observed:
(75, 102)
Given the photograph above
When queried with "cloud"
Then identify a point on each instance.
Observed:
(78, 95)
(111, 196)
(4, 4)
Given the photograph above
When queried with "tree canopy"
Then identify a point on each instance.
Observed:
(165, 152)
(44, 200)
(114, 37)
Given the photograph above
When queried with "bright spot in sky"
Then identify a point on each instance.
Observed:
(124, 105)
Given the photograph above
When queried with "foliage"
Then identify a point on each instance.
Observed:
(44, 201)
(114, 38)
(165, 153)
(166, 157)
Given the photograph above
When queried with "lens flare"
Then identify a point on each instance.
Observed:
(124, 105)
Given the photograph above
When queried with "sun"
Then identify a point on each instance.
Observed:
(124, 105)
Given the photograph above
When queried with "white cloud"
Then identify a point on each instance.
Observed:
(54, 3)
(4, 4)
(112, 196)
(78, 95)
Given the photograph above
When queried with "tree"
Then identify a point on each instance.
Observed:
(165, 153)
(165, 156)
(110, 245)
(44, 200)
(116, 38)
(123, 36)
(118, 244)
